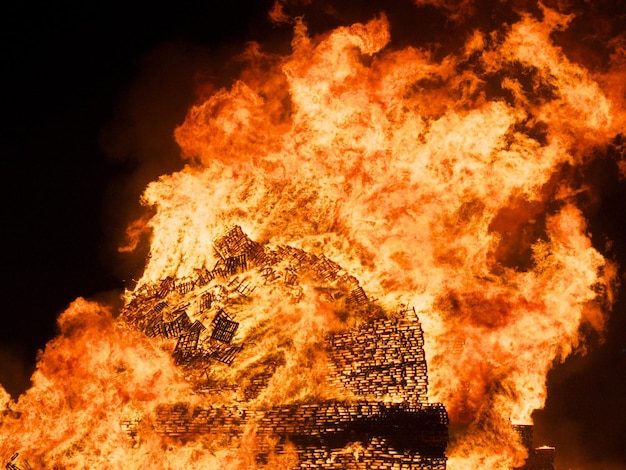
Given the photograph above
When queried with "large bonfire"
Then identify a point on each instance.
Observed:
(437, 183)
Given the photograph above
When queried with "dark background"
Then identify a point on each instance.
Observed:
(90, 98)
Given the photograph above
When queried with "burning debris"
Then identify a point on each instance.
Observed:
(539, 458)
(383, 359)
(369, 172)
(322, 432)
(378, 365)
(18, 463)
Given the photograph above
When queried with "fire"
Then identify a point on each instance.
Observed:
(435, 183)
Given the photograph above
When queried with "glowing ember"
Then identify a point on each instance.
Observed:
(437, 184)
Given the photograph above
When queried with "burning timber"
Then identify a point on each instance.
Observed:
(540, 458)
(379, 415)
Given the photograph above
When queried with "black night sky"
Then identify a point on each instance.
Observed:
(90, 98)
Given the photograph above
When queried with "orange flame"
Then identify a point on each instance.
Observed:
(414, 175)
(403, 170)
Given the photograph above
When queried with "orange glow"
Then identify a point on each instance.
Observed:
(413, 177)
(404, 184)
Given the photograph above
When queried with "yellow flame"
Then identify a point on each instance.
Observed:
(399, 168)
(417, 179)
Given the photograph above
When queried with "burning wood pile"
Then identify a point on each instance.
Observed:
(540, 458)
(383, 359)
(447, 176)
(376, 363)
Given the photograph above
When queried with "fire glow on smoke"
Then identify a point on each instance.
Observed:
(413, 174)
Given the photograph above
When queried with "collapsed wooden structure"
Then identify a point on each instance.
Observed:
(383, 421)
